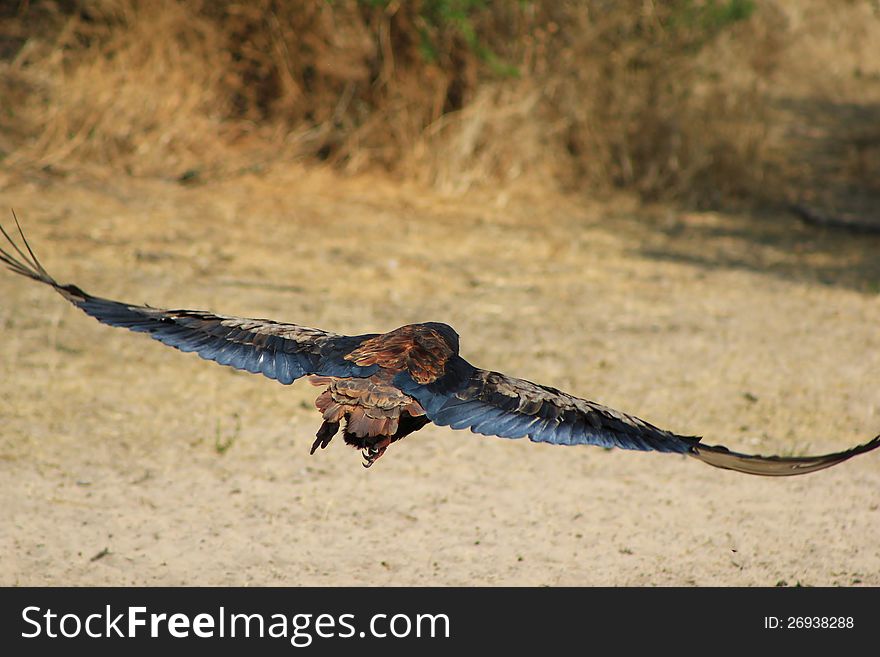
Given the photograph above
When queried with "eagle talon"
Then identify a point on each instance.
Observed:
(371, 455)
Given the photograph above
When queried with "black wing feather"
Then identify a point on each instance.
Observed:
(492, 403)
(283, 352)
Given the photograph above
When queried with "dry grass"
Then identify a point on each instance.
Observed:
(630, 97)
(104, 91)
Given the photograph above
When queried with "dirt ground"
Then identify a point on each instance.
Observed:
(125, 462)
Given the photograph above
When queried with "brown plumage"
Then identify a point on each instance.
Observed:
(379, 388)
(417, 348)
(375, 413)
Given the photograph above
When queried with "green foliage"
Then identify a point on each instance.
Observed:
(715, 15)
(705, 20)
(221, 443)
(457, 17)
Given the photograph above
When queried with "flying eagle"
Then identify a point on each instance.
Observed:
(380, 388)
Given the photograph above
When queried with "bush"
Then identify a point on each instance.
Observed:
(662, 98)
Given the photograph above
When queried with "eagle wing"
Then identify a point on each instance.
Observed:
(283, 352)
(496, 404)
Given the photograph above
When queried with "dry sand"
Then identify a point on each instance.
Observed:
(125, 462)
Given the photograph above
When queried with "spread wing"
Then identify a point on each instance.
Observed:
(283, 352)
(495, 404)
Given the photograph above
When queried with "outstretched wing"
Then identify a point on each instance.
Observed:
(495, 404)
(283, 352)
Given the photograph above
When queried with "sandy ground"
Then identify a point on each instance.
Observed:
(125, 462)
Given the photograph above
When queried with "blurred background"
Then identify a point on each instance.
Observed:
(667, 207)
(705, 102)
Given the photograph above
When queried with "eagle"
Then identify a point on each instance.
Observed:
(380, 387)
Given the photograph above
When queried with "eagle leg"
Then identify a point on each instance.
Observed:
(325, 435)
(374, 453)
